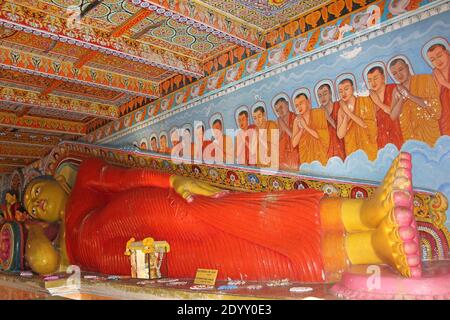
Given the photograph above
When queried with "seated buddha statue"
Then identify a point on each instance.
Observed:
(301, 235)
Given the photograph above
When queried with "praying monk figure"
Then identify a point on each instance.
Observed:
(310, 131)
(289, 157)
(440, 58)
(325, 97)
(245, 138)
(421, 109)
(389, 131)
(299, 234)
(356, 121)
(265, 129)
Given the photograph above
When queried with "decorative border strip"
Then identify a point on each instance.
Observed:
(34, 99)
(257, 68)
(36, 123)
(245, 37)
(15, 16)
(64, 70)
(23, 151)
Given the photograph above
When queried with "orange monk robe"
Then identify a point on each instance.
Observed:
(266, 146)
(358, 137)
(311, 148)
(336, 147)
(422, 123)
(389, 131)
(289, 157)
(444, 122)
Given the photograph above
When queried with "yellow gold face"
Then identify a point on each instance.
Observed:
(45, 200)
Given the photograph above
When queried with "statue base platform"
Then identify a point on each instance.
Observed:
(355, 284)
(382, 283)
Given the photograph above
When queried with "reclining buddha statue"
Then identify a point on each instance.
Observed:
(301, 235)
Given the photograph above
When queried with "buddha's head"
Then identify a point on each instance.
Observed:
(45, 198)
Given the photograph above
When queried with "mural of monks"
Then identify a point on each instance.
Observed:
(163, 145)
(222, 142)
(200, 143)
(356, 121)
(153, 144)
(421, 109)
(382, 95)
(288, 155)
(265, 129)
(245, 138)
(324, 96)
(310, 131)
(439, 57)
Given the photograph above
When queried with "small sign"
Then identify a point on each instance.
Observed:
(206, 277)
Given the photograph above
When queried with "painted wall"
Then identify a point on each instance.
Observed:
(431, 163)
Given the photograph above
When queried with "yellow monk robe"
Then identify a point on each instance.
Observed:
(422, 123)
(266, 149)
(310, 148)
(358, 137)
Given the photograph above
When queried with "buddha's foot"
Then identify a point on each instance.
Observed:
(398, 177)
(396, 239)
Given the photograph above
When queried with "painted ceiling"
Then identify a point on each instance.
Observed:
(68, 67)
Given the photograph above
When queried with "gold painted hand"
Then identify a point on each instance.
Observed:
(188, 187)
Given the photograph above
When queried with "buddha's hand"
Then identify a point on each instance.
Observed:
(188, 187)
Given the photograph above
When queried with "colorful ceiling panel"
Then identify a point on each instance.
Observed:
(69, 67)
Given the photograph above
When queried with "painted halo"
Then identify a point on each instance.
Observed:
(143, 140)
(404, 58)
(216, 116)
(187, 126)
(319, 84)
(372, 65)
(300, 91)
(153, 135)
(174, 133)
(239, 110)
(259, 104)
(341, 78)
(286, 97)
(432, 42)
(163, 133)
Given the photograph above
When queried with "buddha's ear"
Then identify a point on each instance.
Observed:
(62, 182)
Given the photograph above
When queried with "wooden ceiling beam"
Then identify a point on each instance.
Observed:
(10, 120)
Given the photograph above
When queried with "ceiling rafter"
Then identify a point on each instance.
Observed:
(9, 119)
(30, 99)
(200, 18)
(119, 31)
(23, 61)
(93, 38)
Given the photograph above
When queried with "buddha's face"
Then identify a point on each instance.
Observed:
(439, 57)
(45, 200)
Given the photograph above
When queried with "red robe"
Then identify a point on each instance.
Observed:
(336, 148)
(109, 205)
(444, 121)
(247, 147)
(289, 156)
(389, 131)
